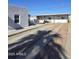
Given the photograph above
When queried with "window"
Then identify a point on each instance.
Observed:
(16, 18)
(49, 18)
(62, 17)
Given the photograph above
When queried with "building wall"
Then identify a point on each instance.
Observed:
(54, 18)
(61, 21)
(23, 17)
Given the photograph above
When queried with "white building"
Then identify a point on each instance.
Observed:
(58, 18)
(33, 19)
(17, 17)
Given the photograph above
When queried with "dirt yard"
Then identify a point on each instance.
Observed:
(65, 32)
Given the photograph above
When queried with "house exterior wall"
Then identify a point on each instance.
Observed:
(23, 17)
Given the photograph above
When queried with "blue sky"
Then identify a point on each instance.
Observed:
(38, 7)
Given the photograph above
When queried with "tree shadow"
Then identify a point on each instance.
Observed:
(38, 46)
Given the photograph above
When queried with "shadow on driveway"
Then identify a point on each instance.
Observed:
(37, 46)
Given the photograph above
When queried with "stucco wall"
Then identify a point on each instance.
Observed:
(23, 17)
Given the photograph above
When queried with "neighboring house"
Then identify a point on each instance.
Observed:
(33, 20)
(58, 18)
(17, 17)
